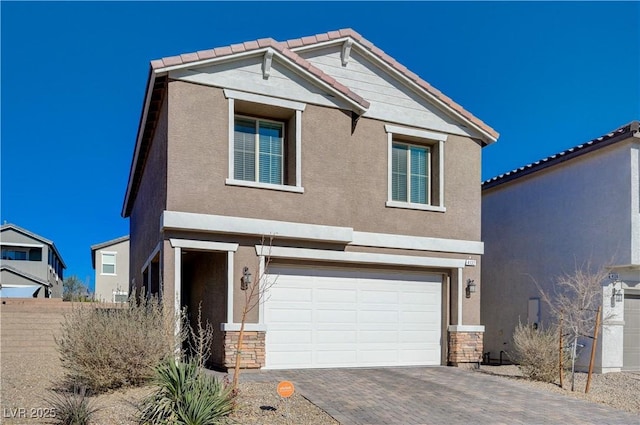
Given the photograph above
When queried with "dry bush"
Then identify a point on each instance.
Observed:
(107, 348)
(536, 352)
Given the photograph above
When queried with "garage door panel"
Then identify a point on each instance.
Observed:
(631, 336)
(353, 318)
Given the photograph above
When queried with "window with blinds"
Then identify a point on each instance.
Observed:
(108, 263)
(258, 150)
(410, 173)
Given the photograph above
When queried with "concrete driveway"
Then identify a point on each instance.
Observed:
(437, 395)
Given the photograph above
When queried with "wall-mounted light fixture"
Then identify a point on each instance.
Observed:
(617, 294)
(471, 287)
(245, 281)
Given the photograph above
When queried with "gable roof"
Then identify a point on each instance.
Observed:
(286, 51)
(98, 246)
(27, 276)
(630, 130)
(25, 232)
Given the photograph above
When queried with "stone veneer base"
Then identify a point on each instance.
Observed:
(465, 348)
(252, 356)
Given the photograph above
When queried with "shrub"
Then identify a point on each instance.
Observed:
(536, 352)
(186, 395)
(72, 408)
(107, 348)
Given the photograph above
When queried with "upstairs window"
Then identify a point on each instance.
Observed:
(108, 263)
(258, 150)
(416, 169)
(21, 253)
(410, 173)
(265, 139)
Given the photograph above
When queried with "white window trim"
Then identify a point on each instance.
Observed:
(298, 107)
(115, 262)
(423, 134)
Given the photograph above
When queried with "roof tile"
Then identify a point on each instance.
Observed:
(237, 48)
(266, 42)
(251, 45)
(348, 32)
(172, 60)
(157, 63)
(296, 42)
(333, 35)
(322, 37)
(309, 40)
(189, 57)
(206, 54)
(222, 51)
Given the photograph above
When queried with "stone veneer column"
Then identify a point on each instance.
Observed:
(252, 356)
(465, 345)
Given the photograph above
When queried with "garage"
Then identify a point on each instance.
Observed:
(631, 344)
(324, 317)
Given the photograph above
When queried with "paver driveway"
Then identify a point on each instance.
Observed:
(437, 395)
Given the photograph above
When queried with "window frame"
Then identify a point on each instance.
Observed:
(102, 263)
(256, 151)
(297, 108)
(419, 138)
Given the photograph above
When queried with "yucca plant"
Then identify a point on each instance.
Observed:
(72, 408)
(185, 396)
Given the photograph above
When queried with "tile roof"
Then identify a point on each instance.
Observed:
(622, 133)
(287, 48)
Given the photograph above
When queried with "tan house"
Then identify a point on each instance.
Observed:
(580, 207)
(31, 266)
(366, 177)
(110, 260)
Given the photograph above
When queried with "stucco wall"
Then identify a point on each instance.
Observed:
(344, 175)
(106, 284)
(547, 224)
(149, 203)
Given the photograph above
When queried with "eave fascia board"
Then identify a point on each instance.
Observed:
(218, 224)
(488, 138)
(151, 80)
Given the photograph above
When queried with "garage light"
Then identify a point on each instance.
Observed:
(471, 287)
(245, 281)
(617, 294)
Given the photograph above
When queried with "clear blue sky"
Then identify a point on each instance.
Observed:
(547, 76)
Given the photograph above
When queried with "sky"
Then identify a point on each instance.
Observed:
(546, 75)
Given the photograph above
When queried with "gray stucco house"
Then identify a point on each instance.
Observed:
(578, 207)
(110, 260)
(366, 177)
(31, 265)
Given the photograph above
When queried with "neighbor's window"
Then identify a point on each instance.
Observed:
(108, 263)
(22, 254)
(258, 150)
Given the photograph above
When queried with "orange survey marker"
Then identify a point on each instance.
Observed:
(285, 389)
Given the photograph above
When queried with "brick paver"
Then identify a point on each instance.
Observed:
(437, 395)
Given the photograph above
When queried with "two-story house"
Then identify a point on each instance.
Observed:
(31, 265)
(578, 209)
(110, 260)
(365, 176)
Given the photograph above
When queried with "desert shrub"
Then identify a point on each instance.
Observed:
(186, 395)
(107, 348)
(536, 352)
(72, 408)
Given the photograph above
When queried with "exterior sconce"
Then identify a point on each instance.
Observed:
(245, 281)
(471, 287)
(616, 294)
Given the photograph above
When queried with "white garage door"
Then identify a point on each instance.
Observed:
(325, 317)
(631, 344)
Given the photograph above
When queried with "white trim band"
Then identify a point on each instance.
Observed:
(466, 328)
(203, 245)
(253, 226)
(259, 185)
(22, 245)
(413, 132)
(266, 100)
(418, 243)
(248, 327)
(414, 206)
(359, 257)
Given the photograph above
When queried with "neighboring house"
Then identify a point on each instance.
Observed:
(110, 260)
(578, 207)
(366, 177)
(31, 265)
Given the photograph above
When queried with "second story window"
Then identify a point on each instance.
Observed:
(258, 150)
(21, 253)
(410, 173)
(108, 263)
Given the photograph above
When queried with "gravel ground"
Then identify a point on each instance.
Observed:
(618, 390)
(27, 380)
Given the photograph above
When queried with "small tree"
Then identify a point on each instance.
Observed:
(255, 293)
(73, 289)
(574, 302)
